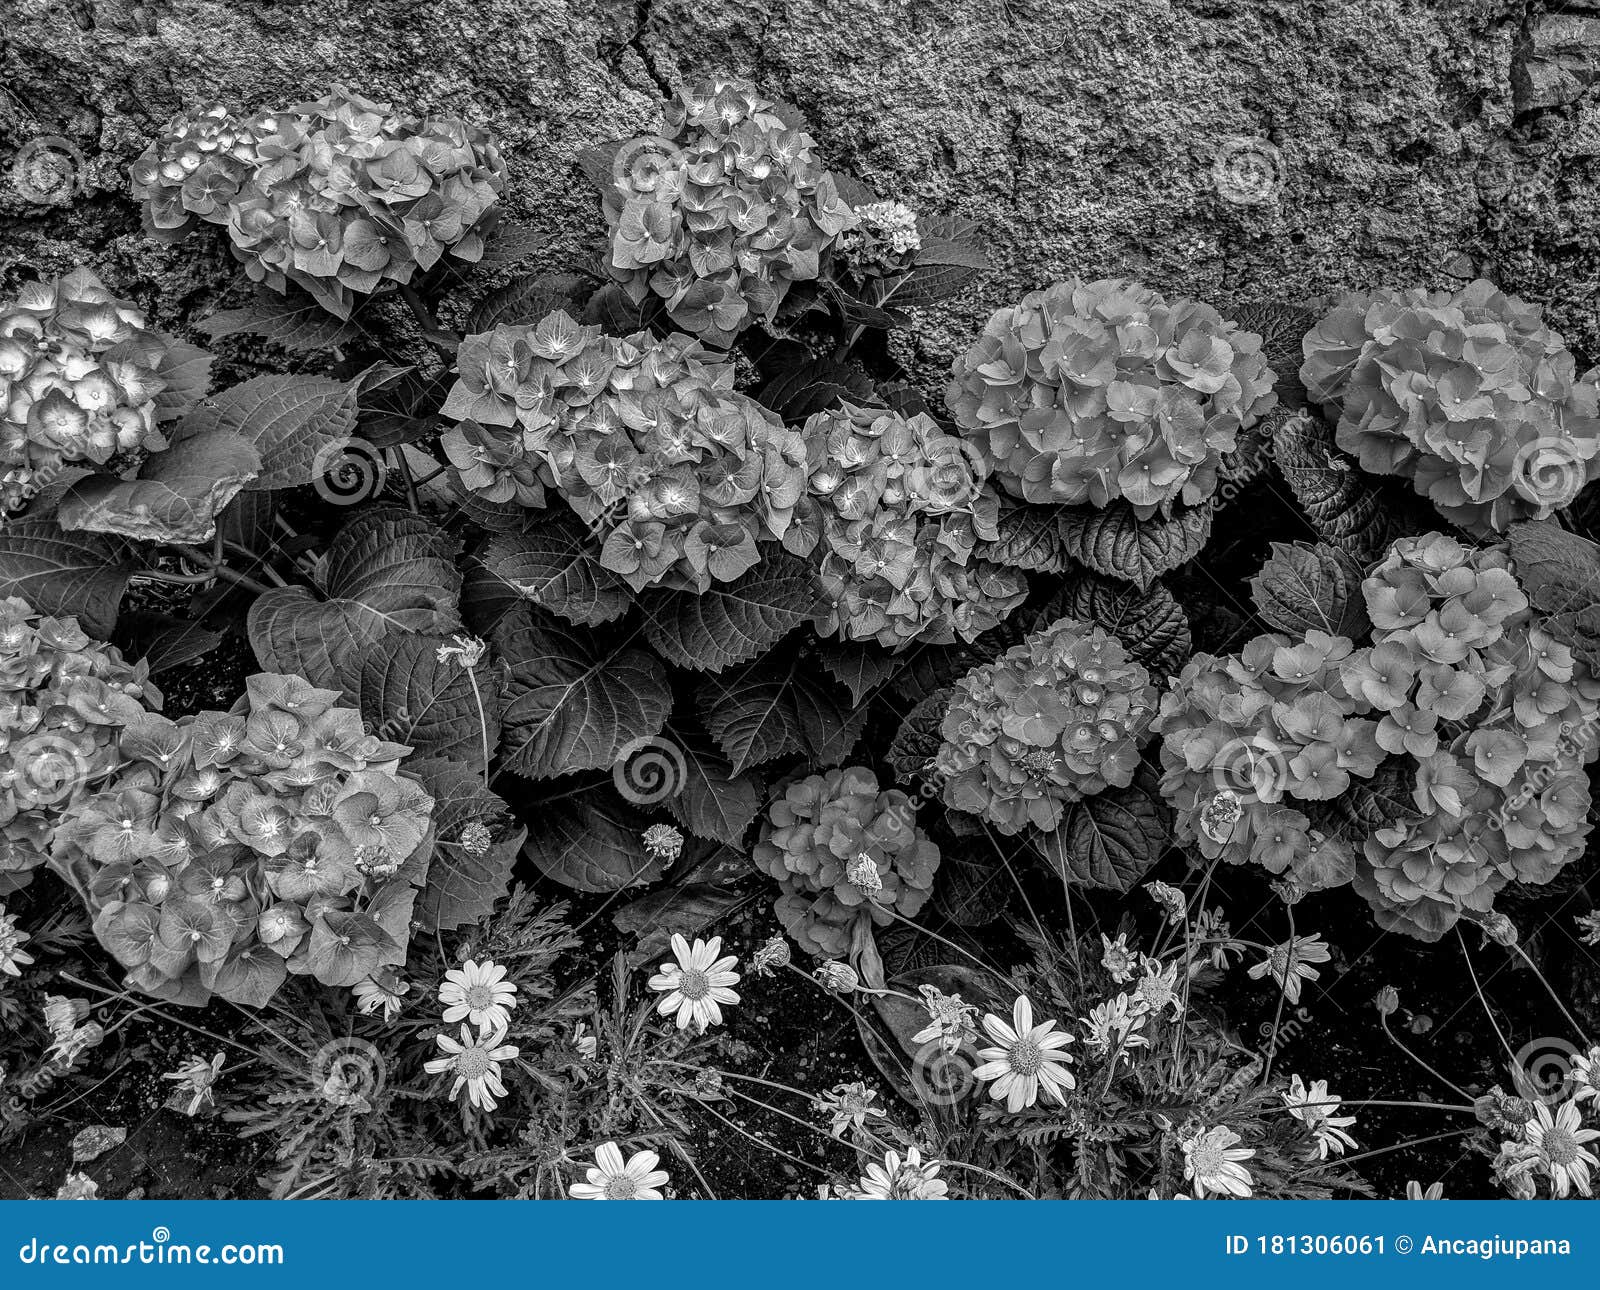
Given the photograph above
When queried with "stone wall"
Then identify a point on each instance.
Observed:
(1393, 141)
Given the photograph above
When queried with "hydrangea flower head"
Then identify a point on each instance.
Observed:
(339, 195)
(1087, 392)
(894, 507)
(885, 238)
(79, 376)
(1466, 394)
(722, 216)
(845, 853)
(678, 475)
(1050, 722)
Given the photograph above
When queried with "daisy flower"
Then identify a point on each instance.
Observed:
(1586, 1076)
(910, 1179)
(1026, 1057)
(696, 986)
(12, 938)
(389, 995)
(1158, 988)
(1216, 939)
(1211, 1162)
(1288, 963)
(1118, 959)
(612, 1178)
(479, 993)
(847, 1105)
(1315, 1108)
(950, 1021)
(1560, 1146)
(1414, 1191)
(475, 1062)
(1114, 1024)
(196, 1079)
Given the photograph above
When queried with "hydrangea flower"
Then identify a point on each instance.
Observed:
(340, 195)
(846, 853)
(237, 847)
(79, 378)
(893, 509)
(64, 700)
(1050, 722)
(678, 475)
(1466, 394)
(719, 218)
(885, 238)
(1087, 392)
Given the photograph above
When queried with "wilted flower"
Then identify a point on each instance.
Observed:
(1513, 1167)
(196, 1080)
(1115, 1026)
(78, 1186)
(773, 954)
(588, 1045)
(837, 978)
(1158, 988)
(12, 938)
(612, 1178)
(71, 1033)
(1212, 1162)
(849, 1105)
(1025, 1059)
(697, 986)
(1215, 938)
(897, 1179)
(1118, 959)
(1559, 1143)
(340, 196)
(475, 837)
(463, 651)
(663, 842)
(479, 993)
(386, 993)
(845, 854)
(1589, 927)
(1317, 1109)
(950, 1021)
(1172, 901)
(474, 1061)
(1289, 963)
(1468, 395)
(1091, 392)
(1052, 721)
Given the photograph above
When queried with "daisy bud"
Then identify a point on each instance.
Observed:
(1387, 1001)
(837, 977)
(772, 955)
(663, 842)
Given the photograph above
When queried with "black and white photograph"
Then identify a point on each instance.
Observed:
(752, 600)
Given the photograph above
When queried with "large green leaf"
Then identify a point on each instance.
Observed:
(1150, 623)
(296, 322)
(1560, 571)
(761, 713)
(82, 574)
(715, 802)
(1115, 542)
(409, 694)
(297, 423)
(732, 622)
(1111, 839)
(464, 881)
(176, 496)
(593, 843)
(1304, 587)
(555, 565)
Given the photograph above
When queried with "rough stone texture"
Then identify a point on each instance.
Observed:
(1556, 61)
(1084, 134)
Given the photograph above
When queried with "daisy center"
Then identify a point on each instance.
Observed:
(621, 1187)
(694, 984)
(1560, 1147)
(1206, 1159)
(479, 997)
(473, 1063)
(1025, 1057)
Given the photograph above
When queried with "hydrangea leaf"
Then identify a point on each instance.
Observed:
(691, 910)
(802, 384)
(1150, 623)
(830, 724)
(1282, 326)
(1385, 799)
(765, 712)
(555, 566)
(186, 369)
(385, 571)
(1304, 587)
(968, 893)
(715, 803)
(1030, 538)
(1115, 542)
(1111, 839)
(1345, 507)
(731, 622)
(574, 702)
(164, 641)
(915, 744)
(81, 574)
(467, 876)
(528, 299)
(1560, 572)
(594, 844)
(296, 322)
(175, 497)
(511, 243)
(404, 689)
(297, 423)
(949, 258)
(861, 669)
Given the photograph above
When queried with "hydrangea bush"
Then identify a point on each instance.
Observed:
(1466, 394)
(235, 848)
(893, 509)
(66, 700)
(1486, 718)
(1051, 721)
(80, 375)
(338, 195)
(677, 474)
(848, 856)
(1087, 392)
(723, 215)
